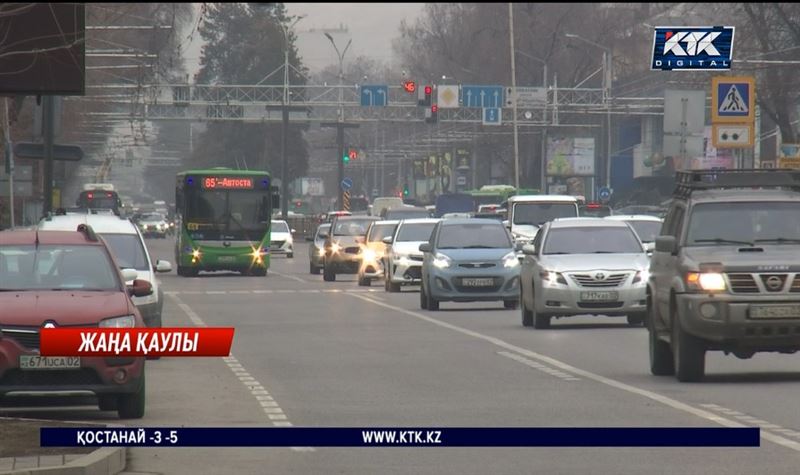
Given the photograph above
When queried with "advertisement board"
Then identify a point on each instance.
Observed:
(570, 156)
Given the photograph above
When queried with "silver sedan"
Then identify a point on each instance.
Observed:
(579, 266)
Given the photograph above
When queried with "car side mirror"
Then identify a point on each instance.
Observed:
(666, 244)
(140, 288)
(387, 240)
(294, 231)
(324, 235)
(163, 266)
(425, 247)
(129, 274)
(529, 250)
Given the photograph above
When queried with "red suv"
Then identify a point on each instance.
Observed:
(70, 279)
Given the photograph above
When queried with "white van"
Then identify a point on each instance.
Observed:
(527, 213)
(385, 202)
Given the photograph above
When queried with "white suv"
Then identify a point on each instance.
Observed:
(126, 242)
(403, 260)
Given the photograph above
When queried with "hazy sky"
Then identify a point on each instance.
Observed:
(372, 26)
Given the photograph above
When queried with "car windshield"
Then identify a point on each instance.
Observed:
(744, 223)
(61, 267)
(415, 232)
(380, 231)
(536, 214)
(127, 250)
(591, 240)
(280, 227)
(351, 228)
(474, 235)
(647, 230)
(153, 217)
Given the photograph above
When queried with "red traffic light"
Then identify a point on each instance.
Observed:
(352, 154)
(428, 89)
(409, 86)
(435, 108)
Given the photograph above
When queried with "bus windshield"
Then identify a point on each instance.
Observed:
(227, 214)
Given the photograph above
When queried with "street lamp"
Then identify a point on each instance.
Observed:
(340, 127)
(607, 78)
(285, 119)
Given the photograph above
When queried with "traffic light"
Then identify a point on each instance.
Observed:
(405, 190)
(353, 154)
(432, 114)
(346, 158)
(424, 96)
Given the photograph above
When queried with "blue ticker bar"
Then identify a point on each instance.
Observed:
(402, 437)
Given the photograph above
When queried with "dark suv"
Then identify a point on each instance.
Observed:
(66, 279)
(725, 274)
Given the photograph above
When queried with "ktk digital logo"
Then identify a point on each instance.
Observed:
(692, 48)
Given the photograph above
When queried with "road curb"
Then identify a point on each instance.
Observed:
(103, 461)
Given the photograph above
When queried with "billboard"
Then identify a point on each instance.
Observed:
(789, 156)
(43, 48)
(570, 156)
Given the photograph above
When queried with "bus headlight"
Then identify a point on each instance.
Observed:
(196, 255)
(258, 255)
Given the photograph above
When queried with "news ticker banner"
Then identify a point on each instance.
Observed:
(402, 437)
(91, 342)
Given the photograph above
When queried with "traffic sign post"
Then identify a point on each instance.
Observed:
(347, 184)
(374, 96)
(604, 194)
(482, 96)
(733, 99)
(447, 96)
(732, 135)
(492, 116)
(346, 201)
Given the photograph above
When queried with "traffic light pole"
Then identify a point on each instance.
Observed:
(340, 126)
(48, 119)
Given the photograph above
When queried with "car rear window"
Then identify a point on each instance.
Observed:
(279, 227)
(62, 267)
(647, 230)
(351, 227)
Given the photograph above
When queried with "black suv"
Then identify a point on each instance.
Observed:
(725, 274)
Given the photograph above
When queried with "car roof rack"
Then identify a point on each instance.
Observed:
(688, 181)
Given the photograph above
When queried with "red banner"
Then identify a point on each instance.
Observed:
(136, 341)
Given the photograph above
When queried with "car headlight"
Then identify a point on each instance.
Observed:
(441, 261)
(369, 255)
(510, 260)
(641, 276)
(705, 281)
(552, 277)
(128, 321)
(335, 247)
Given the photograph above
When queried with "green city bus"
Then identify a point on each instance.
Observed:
(224, 218)
(497, 194)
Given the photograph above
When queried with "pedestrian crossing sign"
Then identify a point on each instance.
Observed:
(733, 99)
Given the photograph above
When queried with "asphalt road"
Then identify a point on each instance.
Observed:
(308, 353)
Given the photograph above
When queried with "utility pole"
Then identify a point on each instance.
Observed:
(10, 157)
(48, 123)
(514, 91)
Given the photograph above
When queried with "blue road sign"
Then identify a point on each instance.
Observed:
(347, 183)
(374, 96)
(733, 100)
(604, 194)
(482, 96)
(492, 116)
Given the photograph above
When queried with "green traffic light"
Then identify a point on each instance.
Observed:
(346, 158)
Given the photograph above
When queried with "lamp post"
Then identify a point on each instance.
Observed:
(514, 91)
(607, 78)
(340, 126)
(543, 166)
(285, 120)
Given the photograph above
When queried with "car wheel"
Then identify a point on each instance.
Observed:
(328, 275)
(107, 402)
(636, 319)
(394, 288)
(510, 304)
(689, 354)
(290, 255)
(433, 304)
(314, 270)
(364, 281)
(661, 362)
(258, 271)
(540, 321)
(131, 406)
(527, 315)
(423, 298)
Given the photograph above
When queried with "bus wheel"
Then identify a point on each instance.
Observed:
(259, 271)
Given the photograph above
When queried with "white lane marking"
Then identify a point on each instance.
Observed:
(239, 291)
(287, 276)
(215, 292)
(753, 420)
(268, 405)
(665, 400)
(539, 366)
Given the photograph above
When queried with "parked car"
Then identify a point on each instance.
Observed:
(281, 241)
(580, 266)
(647, 227)
(316, 248)
(374, 250)
(67, 278)
(403, 259)
(343, 245)
(130, 251)
(469, 260)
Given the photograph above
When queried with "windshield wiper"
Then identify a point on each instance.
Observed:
(781, 240)
(554, 253)
(479, 246)
(724, 241)
(603, 252)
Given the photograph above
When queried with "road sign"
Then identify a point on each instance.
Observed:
(447, 96)
(492, 116)
(789, 156)
(374, 96)
(375, 192)
(346, 201)
(733, 99)
(347, 183)
(482, 96)
(70, 153)
(526, 96)
(604, 194)
(732, 135)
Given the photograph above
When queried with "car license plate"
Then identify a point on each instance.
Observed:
(49, 362)
(774, 311)
(226, 258)
(478, 282)
(599, 296)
